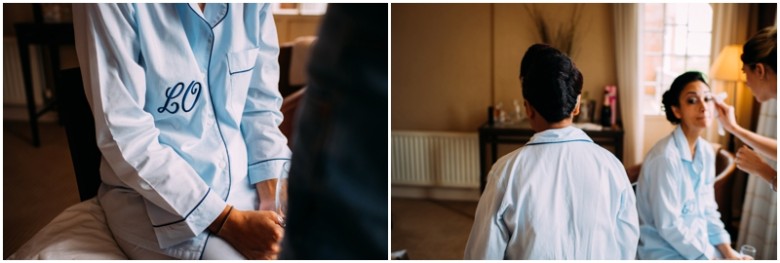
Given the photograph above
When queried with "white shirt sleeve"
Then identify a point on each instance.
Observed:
(108, 50)
(266, 145)
(489, 235)
(628, 225)
(667, 209)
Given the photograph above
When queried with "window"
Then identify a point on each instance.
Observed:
(675, 38)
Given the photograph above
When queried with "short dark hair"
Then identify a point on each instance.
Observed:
(551, 82)
(672, 96)
(761, 48)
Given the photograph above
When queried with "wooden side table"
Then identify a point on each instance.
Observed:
(51, 36)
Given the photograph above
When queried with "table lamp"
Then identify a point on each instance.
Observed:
(728, 68)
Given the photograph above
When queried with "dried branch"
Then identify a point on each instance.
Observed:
(564, 36)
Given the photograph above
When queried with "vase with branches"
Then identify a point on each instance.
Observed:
(563, 36)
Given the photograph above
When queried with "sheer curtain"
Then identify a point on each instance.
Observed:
(627, 38)
(758, 226)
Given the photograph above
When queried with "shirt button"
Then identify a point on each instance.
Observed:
(222, 164)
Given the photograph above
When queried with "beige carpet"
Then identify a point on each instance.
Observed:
(430, 229)
(38, 183)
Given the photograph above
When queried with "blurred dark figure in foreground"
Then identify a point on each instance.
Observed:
(338, 180)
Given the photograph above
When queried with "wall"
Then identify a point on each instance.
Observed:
(289, 27)
(440, 66)
(656, 127)
(441, 59)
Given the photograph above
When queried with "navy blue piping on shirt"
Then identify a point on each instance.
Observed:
(268, 160)
(223, 17)
(540, 143)
(208, 82)
(205, 243)
(231, 73)
(188, 214)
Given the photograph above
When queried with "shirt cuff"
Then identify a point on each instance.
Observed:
(268, 170)
(193, 224)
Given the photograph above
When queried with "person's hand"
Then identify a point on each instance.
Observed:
(726, 116)
(255, 234)
(749, 161)
(734, 255)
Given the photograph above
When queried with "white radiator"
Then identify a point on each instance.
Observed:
(13, 82)
(438, 159)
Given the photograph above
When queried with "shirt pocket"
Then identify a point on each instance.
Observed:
(241, 67)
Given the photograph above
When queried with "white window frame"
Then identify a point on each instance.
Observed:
(664, 75)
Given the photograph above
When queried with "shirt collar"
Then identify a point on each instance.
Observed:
(568, 133)
(214, 12)
(685, 152)
(682, 143)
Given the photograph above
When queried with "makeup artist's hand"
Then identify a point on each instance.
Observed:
(726, 116)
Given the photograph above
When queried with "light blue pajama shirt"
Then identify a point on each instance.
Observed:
(560, 196)
(186, 111)
(678, 216)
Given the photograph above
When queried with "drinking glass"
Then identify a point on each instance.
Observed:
(748, 250)
(281, 195)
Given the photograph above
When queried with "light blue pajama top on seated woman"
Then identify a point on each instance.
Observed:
(561, 196)
(186, 110)
(678, 216)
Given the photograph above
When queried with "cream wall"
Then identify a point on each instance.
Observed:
(656, 127)
(441, 59)
(440, 66)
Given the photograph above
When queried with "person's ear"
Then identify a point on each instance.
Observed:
(576, 110)
(676, 112)
(760, 71)
(529, 110)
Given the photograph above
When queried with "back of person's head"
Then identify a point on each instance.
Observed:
(761, 48)
(672, 96)
(551, 82)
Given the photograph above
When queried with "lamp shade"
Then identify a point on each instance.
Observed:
(728, 66)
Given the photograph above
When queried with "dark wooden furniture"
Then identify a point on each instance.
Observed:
(520, 133)
(51, 36)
